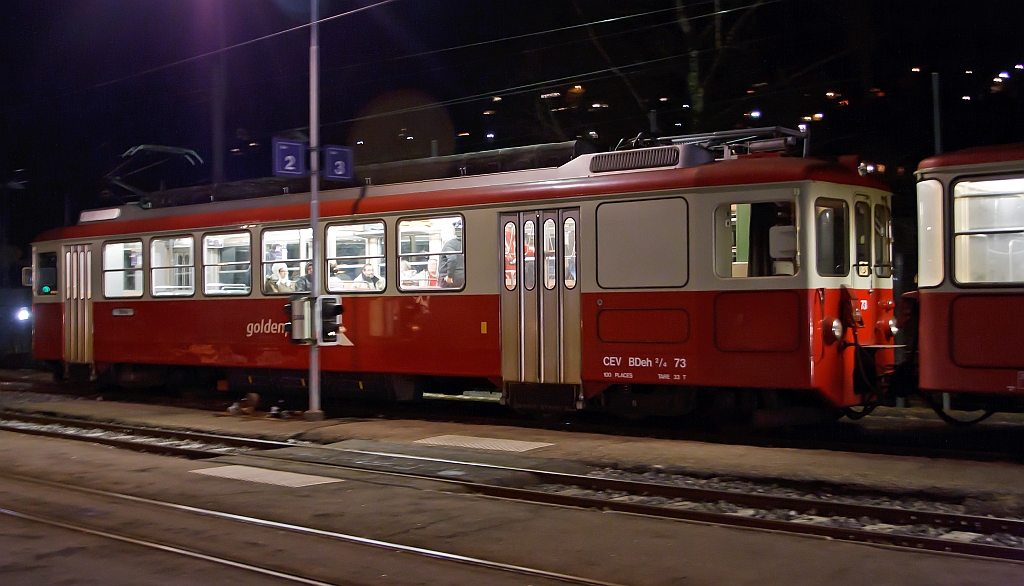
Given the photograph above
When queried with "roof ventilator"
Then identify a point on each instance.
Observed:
(640, 159)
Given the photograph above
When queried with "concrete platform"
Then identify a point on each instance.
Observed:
(989, 481)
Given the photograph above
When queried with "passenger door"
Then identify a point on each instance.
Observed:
(78, 322)
(540, 296)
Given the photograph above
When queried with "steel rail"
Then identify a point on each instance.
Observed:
(245, 442)
(423, 552)
(163, 547)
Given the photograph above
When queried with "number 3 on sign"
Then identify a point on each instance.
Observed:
(339, 167)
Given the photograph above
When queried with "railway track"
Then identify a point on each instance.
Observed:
(920, 525)
(544, 576)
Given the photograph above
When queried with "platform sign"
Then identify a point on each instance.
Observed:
(289, 157)
(337, 163)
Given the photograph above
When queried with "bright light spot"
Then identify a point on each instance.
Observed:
(802, 127)
(559, 109)
(966, 98)
(550, 95)
(686, 105)
(359, 142)
(490, 135)
(750, 91)
(870, 168)
(830, 95)
(46, 288)
(253, 144)
(598, 105)
(997, 80)
(844, 102)
(463, 134)
(577, 88)
(679, 123)
(236, 150)
(496, 99)
(916, 69)
(592, 134)
(23, 314)
(818, 116)
(755, 114)
(488, 112)
(969, 71)
(408, 138)
(662, 99)
(806, 118)
(1019, 66)
(1004, 74)
(881, 168)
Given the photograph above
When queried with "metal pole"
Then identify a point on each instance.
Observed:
(314, 413)
(935, 113)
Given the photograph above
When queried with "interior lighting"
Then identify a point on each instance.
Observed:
(916, 69)
(23, 313)
(1004, 74)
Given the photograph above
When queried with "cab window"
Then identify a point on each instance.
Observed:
(46, 273)
(832, 237)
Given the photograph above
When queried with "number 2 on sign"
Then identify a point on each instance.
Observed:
(289, 162)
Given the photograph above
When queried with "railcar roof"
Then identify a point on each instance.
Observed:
(975, 156)
(570, 180)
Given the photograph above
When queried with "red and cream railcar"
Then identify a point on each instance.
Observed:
(654, 274)
(971, 274)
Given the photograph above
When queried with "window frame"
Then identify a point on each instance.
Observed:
(37, 267)
(143, 268)
(794, 203)
(882, 242)
(150, 268)
(510, 284)
(951, 240)
(203, 238)
(399, 255)
(845, 240)
(861, 203)
(283, 228)
(383, 256)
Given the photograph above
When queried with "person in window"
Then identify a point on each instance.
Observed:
(451, 269)
(371, 280)
(304, 283)
(427, 277)
(278, 281)
(407, 273)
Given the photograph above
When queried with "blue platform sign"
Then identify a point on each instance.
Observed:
(289, 157)
(337, 163)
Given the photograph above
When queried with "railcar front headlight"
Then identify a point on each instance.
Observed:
(23, 314)
(833, 330)
(893, 328)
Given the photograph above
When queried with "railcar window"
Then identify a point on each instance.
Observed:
(883, 241)
(171, 266)
(862, 223)
(550, 262)
(45, 280)
(529, 255)
(286, 254)
(511, 248)
(755, 239)
(569, 232)
(988, 223)
(642, 243)
(832, 232)
(433, 248)
(355, 257)
(122, 269)
(227, 264)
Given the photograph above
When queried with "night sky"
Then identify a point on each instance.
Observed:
(85, 80)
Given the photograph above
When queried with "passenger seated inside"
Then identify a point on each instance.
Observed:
(368, 279)
(277, 281)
